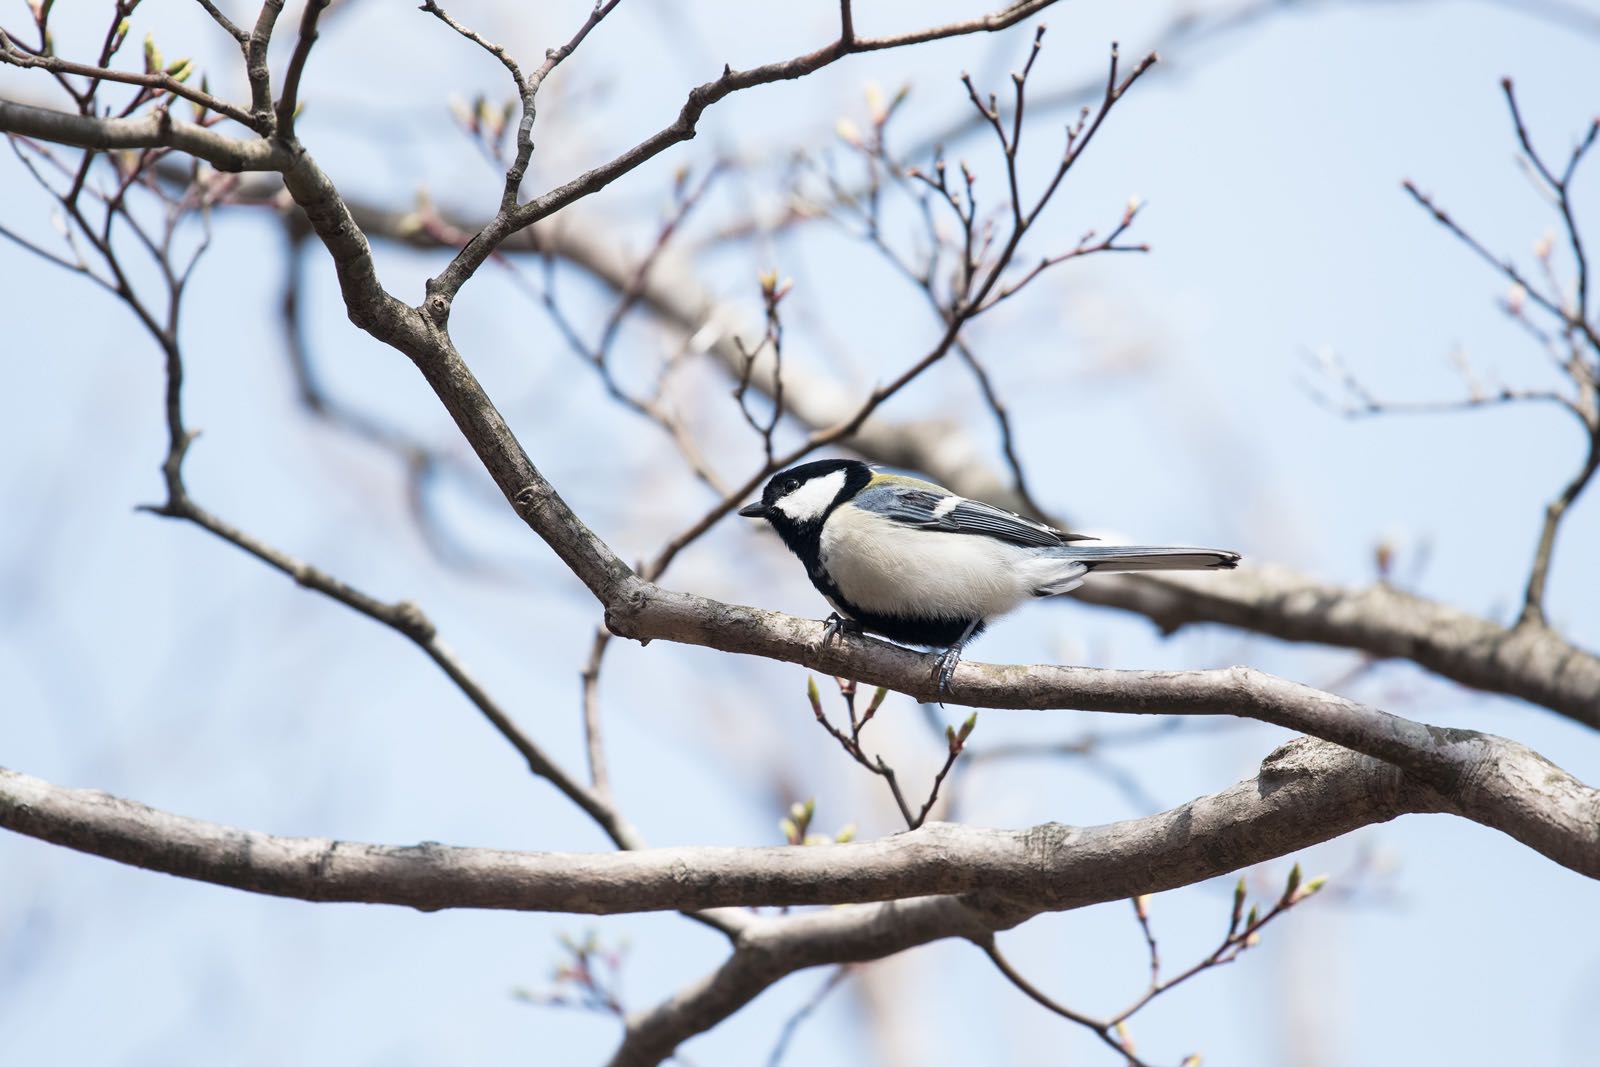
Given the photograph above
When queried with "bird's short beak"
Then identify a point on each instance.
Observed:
(758, 510)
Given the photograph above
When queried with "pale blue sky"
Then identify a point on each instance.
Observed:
(1157, 396)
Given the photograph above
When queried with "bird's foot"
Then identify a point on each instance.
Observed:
(838, 624)
(944, 668)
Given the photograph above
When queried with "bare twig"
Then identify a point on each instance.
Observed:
(289, 102)
(226, 23)
(772, 293)
(832, 982)
(527, 88)
(852, 746)
(588, 978)
(167, 81)
(513, 217)
(1575, 324)
(1244, 932)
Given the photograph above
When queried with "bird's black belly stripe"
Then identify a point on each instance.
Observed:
(931, 633)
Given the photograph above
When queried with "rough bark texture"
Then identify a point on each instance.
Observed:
(1307, 792)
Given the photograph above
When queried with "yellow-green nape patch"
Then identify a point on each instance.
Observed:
(879, 478)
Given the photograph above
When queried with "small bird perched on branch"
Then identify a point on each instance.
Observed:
(912, 561)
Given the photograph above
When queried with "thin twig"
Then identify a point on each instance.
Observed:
(162, 80)
(832, 982)
(513, 217)
(289, 102)
(527, 89)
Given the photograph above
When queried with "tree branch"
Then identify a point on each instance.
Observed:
(1532, 663)
(1307, 791)
(1537, 665)
(160, 79)
(442, 289)
(156, 129)
(289, 102)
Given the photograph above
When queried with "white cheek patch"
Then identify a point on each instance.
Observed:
(807, 503)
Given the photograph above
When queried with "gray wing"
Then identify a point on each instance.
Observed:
(933, 510)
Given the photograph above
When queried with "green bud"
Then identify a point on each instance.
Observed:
(1251, 919)
(846, 834)
(152, 55)
(878, 696)
(1315, 884)
(1238, 905)
(181, 70)
(791, 832)
(814, 695)
(967, 726)
(1293, 883)
(199, 109)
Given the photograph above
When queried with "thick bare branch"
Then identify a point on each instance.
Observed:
(156, 129)
(1306, 793)
(255, 48)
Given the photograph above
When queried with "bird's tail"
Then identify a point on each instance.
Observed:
(1111, 559)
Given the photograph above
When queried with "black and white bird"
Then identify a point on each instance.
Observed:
(911, 561)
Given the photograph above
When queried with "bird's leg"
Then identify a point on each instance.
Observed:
(838, 624)
(945, 666)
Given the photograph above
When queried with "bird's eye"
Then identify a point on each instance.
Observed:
(791, 485)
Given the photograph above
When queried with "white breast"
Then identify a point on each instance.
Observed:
(888, 567)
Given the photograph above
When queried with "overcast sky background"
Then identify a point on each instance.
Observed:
(1157, 397)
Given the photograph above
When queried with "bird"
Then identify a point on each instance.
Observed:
(911, 561)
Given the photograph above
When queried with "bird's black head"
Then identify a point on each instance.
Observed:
(796, 501)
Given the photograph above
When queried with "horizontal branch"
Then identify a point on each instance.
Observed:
(1491, 780)
(155, 129)
(1306, 793)
(1533, 663)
